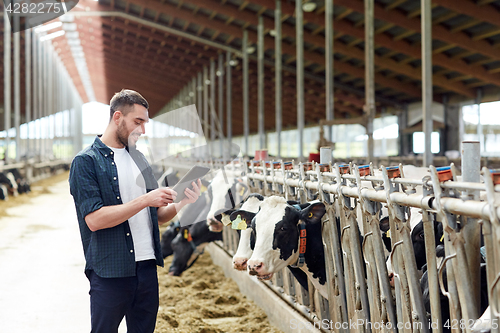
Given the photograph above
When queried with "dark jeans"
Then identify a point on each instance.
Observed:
(135, 298)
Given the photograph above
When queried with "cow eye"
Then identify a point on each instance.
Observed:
(282, 228)
(421, 235)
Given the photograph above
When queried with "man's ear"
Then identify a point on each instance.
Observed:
(117, 116)
(313, 213)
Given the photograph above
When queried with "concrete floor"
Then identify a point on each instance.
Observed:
(42, 284)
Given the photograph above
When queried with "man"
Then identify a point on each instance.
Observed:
(119, 207)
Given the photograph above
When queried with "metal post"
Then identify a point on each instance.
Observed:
(329, 74)
(426, 18)
(40, 106)
(229, 103)
(278, 74)
(28, 86)
(369, 74)
(6, 82)
(260, 82)
(199, 90)
(246, 128)
(205, 108)
(220, 104)
(212, 106)
(299, 28)
(471, 165)
(17, 84)
(480, 136)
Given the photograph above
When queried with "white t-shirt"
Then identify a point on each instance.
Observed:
(140, 223)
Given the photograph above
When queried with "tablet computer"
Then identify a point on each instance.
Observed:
(193, 174)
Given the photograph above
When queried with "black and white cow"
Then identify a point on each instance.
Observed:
(278, 227)
(168, 236)
(189, 244)
(23, 185)
(226, 193)
(244, 251)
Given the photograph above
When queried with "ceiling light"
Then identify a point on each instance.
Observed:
(233, 63)
(207, 82)
(52, 35)
(251, 49)
(47, 27)
(191, 94)
(272, 33)
(309, 6)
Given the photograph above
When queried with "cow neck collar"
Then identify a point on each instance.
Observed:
(302, 245)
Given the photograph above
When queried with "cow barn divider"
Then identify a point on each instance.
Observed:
(356, 299)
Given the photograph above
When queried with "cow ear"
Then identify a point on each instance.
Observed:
(384, 224)
(244, 215)
(313, 213)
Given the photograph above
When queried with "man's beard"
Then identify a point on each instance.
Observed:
(123, 136)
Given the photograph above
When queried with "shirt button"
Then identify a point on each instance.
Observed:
(131, 251)
(111, 153)
(105, 155)
(112, 163)
(118, 198)
(128, 233)
(114, 178)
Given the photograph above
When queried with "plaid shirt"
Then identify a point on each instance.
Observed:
(93, 181)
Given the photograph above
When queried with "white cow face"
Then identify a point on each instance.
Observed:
(244, 251)
(227, 192)
(277, 235)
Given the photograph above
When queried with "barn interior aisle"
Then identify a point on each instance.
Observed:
(43, 288)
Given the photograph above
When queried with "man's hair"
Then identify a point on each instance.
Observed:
(125, 100)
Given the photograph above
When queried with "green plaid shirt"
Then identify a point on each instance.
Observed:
(93, 181)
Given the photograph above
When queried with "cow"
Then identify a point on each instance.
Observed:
(226, 193)
(189, 244)
(23, 185)
(281, 232)
(444, 302)
(8, 180)
(244, 251)
(168, 236)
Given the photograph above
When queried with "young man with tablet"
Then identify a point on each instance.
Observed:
(119, 207)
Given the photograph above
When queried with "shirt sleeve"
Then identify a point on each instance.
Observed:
(84, 186)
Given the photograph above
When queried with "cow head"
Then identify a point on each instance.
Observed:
(183, 251)
(277, 234)
(244, 251)
(227, 192)
(167, 237)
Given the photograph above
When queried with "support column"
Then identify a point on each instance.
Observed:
(17, 85)
(6, 82)
(278, 74)
(212, 107)
(426, 18)
(369, 74)
(260, 82)
(229, 102)
(205, 109)
(329, 74)
(246, 128)
(220, 104)
(480, 136)
(27, 80)
(299, 28)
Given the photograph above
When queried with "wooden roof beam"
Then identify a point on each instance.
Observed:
(484, 13)
(438, 32)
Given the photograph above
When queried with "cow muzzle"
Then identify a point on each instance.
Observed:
(214, 225)
(257, 269)
(240, 264)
